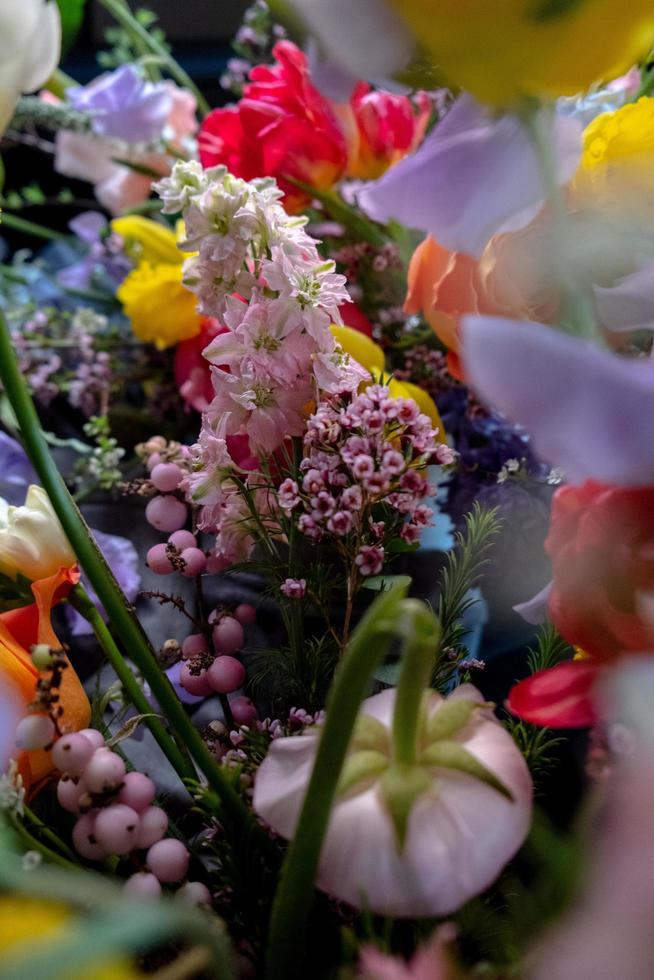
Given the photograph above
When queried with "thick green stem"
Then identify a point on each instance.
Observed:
(81, 601)
(9, 220)
(32, 843)
(423, 632)
(48, 834)
(123, 15)
(120, 613)
(294, 893)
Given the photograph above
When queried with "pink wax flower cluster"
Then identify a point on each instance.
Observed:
(364, 478)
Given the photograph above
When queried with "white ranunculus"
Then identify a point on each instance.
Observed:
(32, 541)
(30, 44)
(461, 831)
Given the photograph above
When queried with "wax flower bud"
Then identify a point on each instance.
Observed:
(417, 837)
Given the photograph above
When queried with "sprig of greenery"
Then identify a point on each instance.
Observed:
(31, 110)
(551, 649)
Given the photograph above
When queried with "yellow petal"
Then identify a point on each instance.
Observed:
(360, 347)
(424, 401)
(147, 240)
(161, 309)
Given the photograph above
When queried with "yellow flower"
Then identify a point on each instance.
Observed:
(617, 166)
(162, 311)
(25, 922)
(501, 50)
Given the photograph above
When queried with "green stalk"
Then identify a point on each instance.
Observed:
(292, 902)
(9, 220)
(121, 614)
(124, 16)
(48, 834)
(417, 664)
(32, 843)
(81, 601)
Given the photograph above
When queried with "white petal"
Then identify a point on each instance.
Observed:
(41, 54)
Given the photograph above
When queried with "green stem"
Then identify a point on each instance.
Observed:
(49, 835)
(417, 664)
(33, 844)
(292, 901)
(81, 601)
(120, 613)
(124, 16)
(29, 227)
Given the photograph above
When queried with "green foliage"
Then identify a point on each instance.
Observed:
(72, 15)
(14, 593)
(123, 45)
(31, 110)
(294, 677)
(551, 649)
(461, 573)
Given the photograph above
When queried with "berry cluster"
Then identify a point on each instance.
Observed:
(117, 816)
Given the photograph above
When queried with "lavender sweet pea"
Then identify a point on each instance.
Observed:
(105, 257)
(588, 410)
(123, 105)
(474, 176)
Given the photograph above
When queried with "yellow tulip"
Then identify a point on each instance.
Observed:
(501, 50)
(360, 347)
(162, 310)
(148, 241)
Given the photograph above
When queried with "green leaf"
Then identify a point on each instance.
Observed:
(382, 583)
(449, 719)
(451, 755)
(72, 15)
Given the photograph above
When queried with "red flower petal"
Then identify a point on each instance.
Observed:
(561, 697)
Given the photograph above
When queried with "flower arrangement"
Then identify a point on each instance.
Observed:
(326, 575)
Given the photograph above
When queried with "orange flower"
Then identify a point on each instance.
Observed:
(20, 629)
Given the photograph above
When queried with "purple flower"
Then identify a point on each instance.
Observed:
(105, 257)
(588, 410)
(16, 471)
(474, 176)
(123, 105)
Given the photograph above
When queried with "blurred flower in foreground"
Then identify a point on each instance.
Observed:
(27, 923)
(416, 842)
(161, 309)
(431, 961)
(30, 42)
(32, 541)
(500, 50)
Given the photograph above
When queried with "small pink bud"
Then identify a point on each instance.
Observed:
(168, 860)
(243, 711)
(166, 476)
(166, 513)
(142, 885)
(158, 561)
(116, 828)
(228, 636)
(246, 614)
(153, 825)
(71, 753)
(226, 674)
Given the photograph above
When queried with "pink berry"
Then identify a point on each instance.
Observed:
(246, 614)
(105, 771)
(195, 562)
(34, 732)
(226, 674)
(153, 825)
(228, 636)
(183, 539)
(243, 711)
(194, 644)
(142, 885)
(95, 737)
(158, 561)
(166, 513)
(153, 460)
(218, 563)
(84, 839)
(195, 893)
(197, 684)
(72, 752)
(168, 860)
(68, 794)
(137, 791)
(116, 828)
(166, 476)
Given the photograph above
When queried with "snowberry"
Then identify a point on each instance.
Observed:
(137, 791)
(197, 684)
(95, 737)
(166, 476)
(226, 674)
(142, 885)
(246, 614)
(195, 562)
(34, 732)
(71, 753)
(228, 636)
(84, 838)
(166, 513)
(194, 644)
(168, 860)
(158, 561)
(195, 893)
(243, 711)
(105, 771)
(183, 539)
(153, 825)
(116, 828)
(68, 793)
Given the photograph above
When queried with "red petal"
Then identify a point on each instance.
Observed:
(561, 697)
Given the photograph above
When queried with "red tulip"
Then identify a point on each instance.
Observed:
(388, 127)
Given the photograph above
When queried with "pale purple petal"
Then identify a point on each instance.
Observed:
(88, 226)
(123, 105)
(16, 471)
(629, 305)
(534, 610)
(474, 176)
(588, 411)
